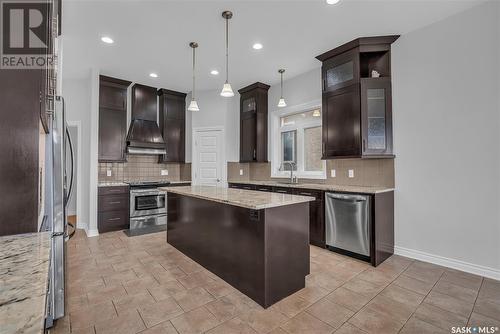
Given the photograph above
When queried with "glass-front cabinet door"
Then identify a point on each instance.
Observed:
(376, 116)
(340, 71)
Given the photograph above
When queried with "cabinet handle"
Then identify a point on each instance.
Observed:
(114, 202)
(306, 194)
(111, 219)
(324, 146)
(254, 154)
(281, 191)
(364, 145)
(114, 190)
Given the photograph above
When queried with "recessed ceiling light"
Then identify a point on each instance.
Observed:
(153, 75)
(257, 46)
(214, 72)
(332, 2)
(107, 40)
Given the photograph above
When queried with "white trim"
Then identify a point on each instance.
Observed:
(92, 233)
(79, 223)
(447, 262)
(93, 160)
(194, 160)
(275, 133)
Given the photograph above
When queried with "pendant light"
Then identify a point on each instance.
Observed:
(227, 91)
(193, 106)
(281, 102)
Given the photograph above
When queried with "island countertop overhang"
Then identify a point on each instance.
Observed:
(250, 199)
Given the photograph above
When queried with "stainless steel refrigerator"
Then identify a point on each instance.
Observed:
(59, 184)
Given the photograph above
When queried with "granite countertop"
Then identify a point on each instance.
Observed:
(249, 199)
(320, 186)
(118, 183)
(112, 184)
(24, 272)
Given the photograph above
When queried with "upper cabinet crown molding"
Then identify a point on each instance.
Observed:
(254, 86)
(365, 44)
(357, 106)
(253, 122)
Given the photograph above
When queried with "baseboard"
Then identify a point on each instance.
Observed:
(91, 233)
(447, 262)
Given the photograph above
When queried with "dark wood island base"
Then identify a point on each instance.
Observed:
(262, 253)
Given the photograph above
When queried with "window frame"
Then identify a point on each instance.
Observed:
(276, 145)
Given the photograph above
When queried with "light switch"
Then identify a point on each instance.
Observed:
(241, 171)
(333, 173)
(164, 172)
(108, 172)
(351, 173)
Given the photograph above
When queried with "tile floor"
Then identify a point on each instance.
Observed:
(143, 285)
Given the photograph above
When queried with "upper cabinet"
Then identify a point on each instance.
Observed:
(253, 123)
(144, 102)
(172, 119)
(357, 106)
(112, 119)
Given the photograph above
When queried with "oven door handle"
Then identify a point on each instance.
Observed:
(146, 193)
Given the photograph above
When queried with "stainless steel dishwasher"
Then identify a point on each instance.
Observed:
(348, 222)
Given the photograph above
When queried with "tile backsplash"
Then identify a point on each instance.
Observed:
(367, 172)
(143, 168)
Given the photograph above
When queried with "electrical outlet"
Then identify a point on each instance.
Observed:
(164, 172)
(333, 173)
(241, 171)
(351, 173)
(108, 172)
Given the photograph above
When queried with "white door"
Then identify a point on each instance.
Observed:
(208, 162)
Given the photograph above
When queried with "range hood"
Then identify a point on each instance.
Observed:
(144, 135)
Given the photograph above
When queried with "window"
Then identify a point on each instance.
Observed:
(296, 144)
(289, 150)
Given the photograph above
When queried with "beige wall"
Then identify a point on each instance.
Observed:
(367, 172)
(143, 168)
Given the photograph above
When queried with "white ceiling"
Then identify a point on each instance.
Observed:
(153, 36)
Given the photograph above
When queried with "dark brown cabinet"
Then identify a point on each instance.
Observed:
(357, 108)
(316, 216)
(144, 102)
(113, 208)
(172, 119)
(112, 119)
(253, 123)
(316, 207)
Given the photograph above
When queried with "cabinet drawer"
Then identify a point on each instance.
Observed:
(113, 190)
(313, 193)
(113, 202)
(113, 221)
(265, 188)
(283, 190)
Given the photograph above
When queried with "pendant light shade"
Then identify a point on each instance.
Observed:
(193, 106)
(227, 91)
(281, 102)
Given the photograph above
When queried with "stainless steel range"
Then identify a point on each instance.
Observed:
(148, 207)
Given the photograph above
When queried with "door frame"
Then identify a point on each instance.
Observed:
(194, 159)
(78, 177)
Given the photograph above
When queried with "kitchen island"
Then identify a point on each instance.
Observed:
(24, 273)
(256, 241)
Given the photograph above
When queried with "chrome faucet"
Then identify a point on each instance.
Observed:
(292, 166)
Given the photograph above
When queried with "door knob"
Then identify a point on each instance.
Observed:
(218, 180)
